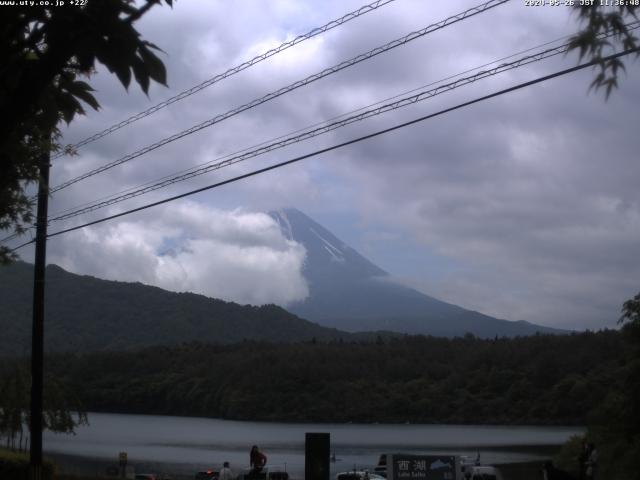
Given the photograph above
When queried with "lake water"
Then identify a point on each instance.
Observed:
(185, 445)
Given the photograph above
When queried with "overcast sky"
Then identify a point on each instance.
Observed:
(525, 206)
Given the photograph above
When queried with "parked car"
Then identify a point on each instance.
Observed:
(481, 472)
(358, 475)
(278, 476)
(381, 467)
(207, 475)
(264, 475)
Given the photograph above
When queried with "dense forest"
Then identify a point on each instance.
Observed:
(540, 379)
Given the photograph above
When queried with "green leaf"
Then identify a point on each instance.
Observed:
(141, 75)
(69, 106)
(112, 57)
(124, 75)
(611, 84)
(153, 65)
(81, 90)
(153, 45)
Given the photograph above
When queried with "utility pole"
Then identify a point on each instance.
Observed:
(37, 334)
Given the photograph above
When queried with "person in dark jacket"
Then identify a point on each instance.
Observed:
(585, 451)
(257, 460)
(592, 462)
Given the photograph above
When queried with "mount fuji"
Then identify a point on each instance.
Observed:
(349, 292)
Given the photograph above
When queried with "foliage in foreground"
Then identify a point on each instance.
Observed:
(62, 411)
(598, 19)
(45, 51)
(614, 423)
(15, 466)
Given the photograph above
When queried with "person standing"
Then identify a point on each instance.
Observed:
(592, 462)
(582, 460)
(225, 473)
(257, 460)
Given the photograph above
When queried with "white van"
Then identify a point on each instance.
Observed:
(358, 475)
(480, 472)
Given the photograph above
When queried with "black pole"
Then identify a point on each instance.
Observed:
(37, 335)
(317, 448)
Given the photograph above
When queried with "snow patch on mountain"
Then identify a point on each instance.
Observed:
(283, 222)
(337, 255)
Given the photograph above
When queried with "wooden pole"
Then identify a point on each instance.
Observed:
(37, 334)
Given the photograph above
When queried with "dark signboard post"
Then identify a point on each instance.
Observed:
(422, 467)
(316, 456)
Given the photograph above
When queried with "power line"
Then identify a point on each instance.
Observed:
(631, 26)
(350, 142)
(265, 148)
(310, 132)
(10, 237)
(300, 83)
(232, 71)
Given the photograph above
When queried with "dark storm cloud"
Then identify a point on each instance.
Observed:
(540, 190)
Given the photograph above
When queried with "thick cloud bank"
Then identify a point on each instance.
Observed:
(232, 255)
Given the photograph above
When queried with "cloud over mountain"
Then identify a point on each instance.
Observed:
(231, 255)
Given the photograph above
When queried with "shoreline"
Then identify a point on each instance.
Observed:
(183, 446)
(94, 467)
(330, 422)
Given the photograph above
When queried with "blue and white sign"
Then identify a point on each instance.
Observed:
(422, 467)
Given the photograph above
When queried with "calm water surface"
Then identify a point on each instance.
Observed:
(181, 444)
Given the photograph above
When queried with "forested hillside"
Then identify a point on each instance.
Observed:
(87, 314)
(530, 380)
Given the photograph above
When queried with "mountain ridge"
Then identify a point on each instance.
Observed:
(349, 292)
(85, 313)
